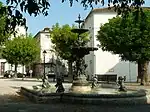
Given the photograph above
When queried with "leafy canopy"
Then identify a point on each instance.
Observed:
(21, 50)
(15, 8)
(130, 39)
(63, 40)
(3, 18)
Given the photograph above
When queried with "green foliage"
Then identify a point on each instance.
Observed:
(130, 39)
(15, 8)
(63, 40)
(13, 18)
(35, 7)
(3, 17)
(41, 6)
(118, 3)
(21, 50)
(31, 6)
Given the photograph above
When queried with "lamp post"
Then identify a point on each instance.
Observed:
(44, 52)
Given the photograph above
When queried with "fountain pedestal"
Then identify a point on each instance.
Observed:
(80, 85)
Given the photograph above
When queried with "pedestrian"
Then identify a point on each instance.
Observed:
(30, 72)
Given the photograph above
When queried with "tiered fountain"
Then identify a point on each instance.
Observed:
(81, 91)
(80, 84)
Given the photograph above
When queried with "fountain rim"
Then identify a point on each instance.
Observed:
(79, 30)
(79, 21)
(88, 48)
(135, 93)
(73, 98)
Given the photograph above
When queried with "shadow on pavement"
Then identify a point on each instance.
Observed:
(25, 80)
(17, 103)
(15, 87)
(4, 78)
(12, 98)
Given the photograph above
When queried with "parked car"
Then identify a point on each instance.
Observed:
(21, 75)
(9, 74)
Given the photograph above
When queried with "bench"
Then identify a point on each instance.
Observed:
(107, 77)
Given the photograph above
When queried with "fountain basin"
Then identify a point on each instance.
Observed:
(136, 97)
(39, 97)
(96, 97)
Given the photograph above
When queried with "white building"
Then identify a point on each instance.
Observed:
(52, 63)
(100, 62)
(4, 65)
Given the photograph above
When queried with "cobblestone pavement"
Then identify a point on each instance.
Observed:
(10, 101)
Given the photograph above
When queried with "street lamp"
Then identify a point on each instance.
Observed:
(44, 52)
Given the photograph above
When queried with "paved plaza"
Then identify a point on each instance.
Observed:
(10, 101)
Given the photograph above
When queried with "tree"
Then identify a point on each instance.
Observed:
(41, 6)
(63, 40)
(16, 7)
(3, 17)
(130, 39)
(21, 50)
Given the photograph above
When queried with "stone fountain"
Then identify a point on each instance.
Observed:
(80, 84)
(81, 91)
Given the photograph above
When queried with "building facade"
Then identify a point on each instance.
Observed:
(102, 62)
(52, 63)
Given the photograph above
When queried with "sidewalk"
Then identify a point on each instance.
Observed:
(137, 86)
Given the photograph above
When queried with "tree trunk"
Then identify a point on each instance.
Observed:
(22, 69)
(70, 69)
(142, 72)
(139, 72)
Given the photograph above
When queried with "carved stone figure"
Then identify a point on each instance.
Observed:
(59, 85)
(80, 67)
(46, 83)
(94, 81)
(121, 85)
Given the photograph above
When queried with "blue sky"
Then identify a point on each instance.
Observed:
(59, 12)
